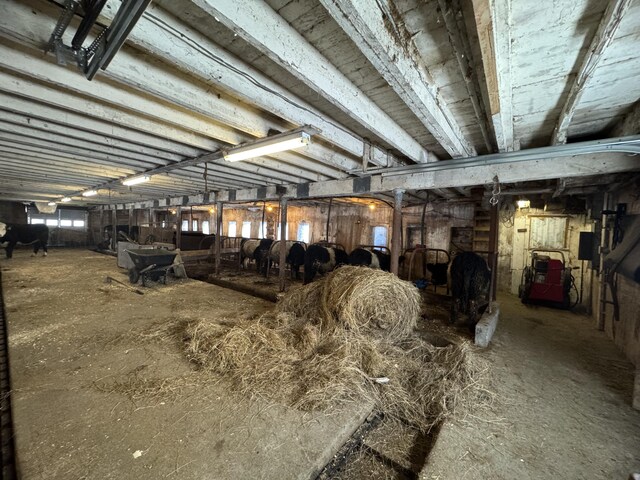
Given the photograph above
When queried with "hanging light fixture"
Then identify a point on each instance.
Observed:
(65, 199)
(275, 143)
(89, 193)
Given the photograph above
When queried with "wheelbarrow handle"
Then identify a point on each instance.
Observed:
(146, 269)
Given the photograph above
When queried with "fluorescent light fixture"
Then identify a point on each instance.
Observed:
(136, 180)
(89, 193)
(266, 146)
(52, 204)
(65, 199)
(523, 203)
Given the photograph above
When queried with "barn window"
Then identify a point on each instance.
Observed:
(303, 232)
(185, 226)
(205, 227)
(548, 232)
(286, 235)
(37, 221)
(263, 230)
(66, 223)
(194, 226)
(246, 229)
(231, 231)
(380, 236)
(52, 222)
(78, 223)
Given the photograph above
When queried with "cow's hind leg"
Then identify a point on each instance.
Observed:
(455, 308)
(44, 248)
(473, 315)
(9, 249)
(36, 248)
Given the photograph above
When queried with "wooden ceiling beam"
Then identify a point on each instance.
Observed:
(604, 34)
(392, 53)
(493, 21)
(259, 25)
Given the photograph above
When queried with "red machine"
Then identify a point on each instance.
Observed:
(548, 280)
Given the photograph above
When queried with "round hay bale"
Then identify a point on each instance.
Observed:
(363, 298)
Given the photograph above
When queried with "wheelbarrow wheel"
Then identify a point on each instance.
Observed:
(134, 275)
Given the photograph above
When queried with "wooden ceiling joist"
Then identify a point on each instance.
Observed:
(493, 21)
(267, 31)
(391, 52)
(604, 34)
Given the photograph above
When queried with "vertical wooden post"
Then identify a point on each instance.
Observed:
(178, 227)
(603, 250)
(218, 239)
(493, 250)
(212, 222)
(114, 232)
(328, 220)
(152, 224)
(396, 239)
(130, 221)
(283, 242)
(102, 225)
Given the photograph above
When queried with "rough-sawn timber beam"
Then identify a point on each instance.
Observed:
(166, 37)
(365, 22)
(263, 28)
(454, 173)
(604, 34)
(493, 21)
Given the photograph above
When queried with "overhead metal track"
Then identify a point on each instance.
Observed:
(99, 54)
(629, 144)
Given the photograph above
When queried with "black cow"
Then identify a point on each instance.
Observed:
(319, 259)
(438, 273)
(38, 235)
(370, 258)
(261, 254)
(469, 280)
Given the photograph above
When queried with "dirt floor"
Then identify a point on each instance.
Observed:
(564, 405)
(101, 390)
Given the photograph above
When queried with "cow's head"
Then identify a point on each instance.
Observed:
(3, 229)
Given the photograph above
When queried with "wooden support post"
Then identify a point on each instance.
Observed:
(328, 220)
(636, 389)
(114, 232)
(604, 248)
(218, 239)
(283, 242)
(212, 221)
(493, 250)
(130, 221)
(102, 225)
(152, 224)
(396, 239)
(178, 227)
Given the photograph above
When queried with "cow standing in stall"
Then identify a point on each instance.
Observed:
(248, 247)
(370, 258)
(319, 259)
(469, 281)
(295, 252)
(12, 235)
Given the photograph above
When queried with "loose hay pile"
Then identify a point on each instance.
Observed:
(332, 341)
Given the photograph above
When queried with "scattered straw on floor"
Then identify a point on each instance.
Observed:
(336, 341)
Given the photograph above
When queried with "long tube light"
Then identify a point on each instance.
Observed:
(65, 199)
(89, 193)
(136, 180)
(276, 143)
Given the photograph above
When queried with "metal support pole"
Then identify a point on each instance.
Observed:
(283, 242)
(262, 231)
(218, 239)
(493, 250)
(114, 232)
(178, 227)
(396, 239)
(102, 225)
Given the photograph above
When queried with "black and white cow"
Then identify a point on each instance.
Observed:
(261, 254)
(38, 235)
(248, 246)
(469, 281)
(319, 259)
(369, 258)
(294, 255)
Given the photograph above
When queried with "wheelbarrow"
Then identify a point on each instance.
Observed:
(150, 265)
